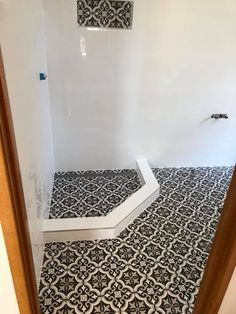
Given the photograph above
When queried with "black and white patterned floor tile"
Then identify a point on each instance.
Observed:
(91, 193)
(154, 266)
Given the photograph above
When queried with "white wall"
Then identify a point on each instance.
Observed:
(228, 305)
(22, 42)
(8, 301)
(146, 92)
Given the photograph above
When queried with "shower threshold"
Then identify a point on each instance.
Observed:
(110, 223)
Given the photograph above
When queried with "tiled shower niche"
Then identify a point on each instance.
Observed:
(105, 13)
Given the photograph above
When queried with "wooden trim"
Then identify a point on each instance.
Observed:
(222, 258)
(13, 211)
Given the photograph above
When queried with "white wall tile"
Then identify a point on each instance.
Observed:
(146, 92)
(23, 47)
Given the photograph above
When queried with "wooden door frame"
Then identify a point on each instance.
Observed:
(218, 271)
(222, 258)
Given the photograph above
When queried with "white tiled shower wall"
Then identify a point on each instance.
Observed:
(146, 92)
(22, 42)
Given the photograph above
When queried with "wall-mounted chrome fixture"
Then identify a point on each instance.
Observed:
(42, 76)
(219, 116)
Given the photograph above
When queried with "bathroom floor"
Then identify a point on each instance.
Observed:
(91, 193)
(154, 266)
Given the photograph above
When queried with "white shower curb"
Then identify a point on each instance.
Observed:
(105, 227)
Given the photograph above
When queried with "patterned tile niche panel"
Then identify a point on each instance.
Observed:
(154, 266)
(105, 13)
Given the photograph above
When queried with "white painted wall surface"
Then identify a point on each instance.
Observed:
(8, 301)
(146, 92)
(22, 41)
(228, 305)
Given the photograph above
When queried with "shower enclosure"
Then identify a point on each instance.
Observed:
(123, 113)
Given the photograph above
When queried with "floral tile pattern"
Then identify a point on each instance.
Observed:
(91, 193)
(105, 13)
(154, 266)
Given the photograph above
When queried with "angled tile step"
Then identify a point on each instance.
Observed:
(91, 228)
